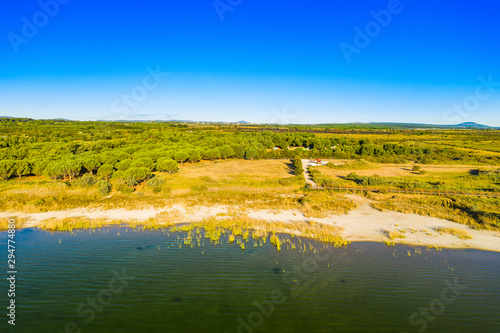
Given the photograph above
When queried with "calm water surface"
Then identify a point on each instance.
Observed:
(125, 280)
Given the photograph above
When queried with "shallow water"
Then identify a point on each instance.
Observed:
(171, 287)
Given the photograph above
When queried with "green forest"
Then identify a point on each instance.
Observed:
(67, 150)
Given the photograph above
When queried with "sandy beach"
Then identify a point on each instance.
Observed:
(362, 224)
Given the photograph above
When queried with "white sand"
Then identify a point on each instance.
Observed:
(362, 224)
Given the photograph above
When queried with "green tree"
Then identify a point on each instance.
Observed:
(251, 153)
(22, 168)
(54, 170)
(7, 168)
(194, 155)
(181, 156)
(143, 162)
(105, 171)
(212, 154)
(239, 152)
(118, 175)
(167, 165)
(39, 167)
(139, 174)
(107, 159)
(123, 165)
(226, 151)
(71, 168)
(91, 164)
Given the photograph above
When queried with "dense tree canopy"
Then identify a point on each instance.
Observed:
(63, 150)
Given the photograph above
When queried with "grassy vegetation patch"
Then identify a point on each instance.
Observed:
(460, 233)
(479, 213)
(393, 234)
(323, 204)
(355, 165)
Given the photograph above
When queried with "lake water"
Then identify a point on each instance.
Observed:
(126, 280)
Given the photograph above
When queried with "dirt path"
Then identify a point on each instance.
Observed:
(307, 175)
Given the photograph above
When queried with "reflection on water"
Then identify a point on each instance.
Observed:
(131, 280)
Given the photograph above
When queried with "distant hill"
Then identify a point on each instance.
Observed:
(471, 125)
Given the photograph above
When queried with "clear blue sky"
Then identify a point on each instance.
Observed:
(266, 61)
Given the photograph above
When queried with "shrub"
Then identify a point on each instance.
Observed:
(88, 180)
(199, 188)
(155, 182)
(299, 168)
(356, 165)
(416, 168)
(462, 234)
(208, 179)
(372, 181)
(157, 189)
(129, 181)
(104, 187)
(286, 181)
(124, 188)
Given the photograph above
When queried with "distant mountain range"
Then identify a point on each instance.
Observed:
(465, 125)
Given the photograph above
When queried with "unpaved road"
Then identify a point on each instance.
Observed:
(307, 176)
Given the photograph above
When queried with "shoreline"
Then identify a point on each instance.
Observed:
(361, 224)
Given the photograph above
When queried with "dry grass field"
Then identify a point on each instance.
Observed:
(230, 169)
(403, 170)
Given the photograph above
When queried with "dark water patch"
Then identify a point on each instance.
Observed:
(32, 292)
(364, 287)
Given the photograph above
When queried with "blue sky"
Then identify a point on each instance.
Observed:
(264, 61)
